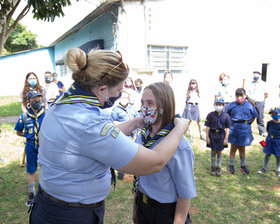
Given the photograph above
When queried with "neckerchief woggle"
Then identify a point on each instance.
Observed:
(148, 142)
(75, 94)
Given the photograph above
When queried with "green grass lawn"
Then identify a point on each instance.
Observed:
(10, 109)
(228, 199)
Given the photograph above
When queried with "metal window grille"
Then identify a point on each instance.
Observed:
(165, 58)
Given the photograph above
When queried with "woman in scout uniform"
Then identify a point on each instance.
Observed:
(272, 141)
(217, 129)
(163, 197)
(79, 143)
(242, 114)
(28, 126)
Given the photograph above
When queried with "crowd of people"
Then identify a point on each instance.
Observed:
(106, 123)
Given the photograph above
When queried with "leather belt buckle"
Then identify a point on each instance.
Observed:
(271, 136)
(245, 122)
(217, 130)
(145, 199)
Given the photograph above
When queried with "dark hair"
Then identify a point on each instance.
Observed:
(189, 88)
(26, 88)
(132, 84)
(256, 72)
(47, 72)
(138, 81)
(165, 74)
(240, 92)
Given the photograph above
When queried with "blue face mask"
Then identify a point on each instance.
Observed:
(256, 78)
(48, 79)
(275, 116)
(32, 82)
(111, 100)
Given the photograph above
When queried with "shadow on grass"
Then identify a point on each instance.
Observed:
(235, 198)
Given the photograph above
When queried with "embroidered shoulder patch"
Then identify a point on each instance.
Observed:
(115, 132)
(106, 128)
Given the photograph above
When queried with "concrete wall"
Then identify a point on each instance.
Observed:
(14, 69)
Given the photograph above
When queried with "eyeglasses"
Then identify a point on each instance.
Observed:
(124, 66)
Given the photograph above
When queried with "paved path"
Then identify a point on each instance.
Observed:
(11, 119)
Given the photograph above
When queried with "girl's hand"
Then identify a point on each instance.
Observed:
(208, 141)
(225, 142)
(182, 122)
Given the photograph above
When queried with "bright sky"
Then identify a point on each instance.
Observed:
(48, 32)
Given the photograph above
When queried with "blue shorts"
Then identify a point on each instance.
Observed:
(31, 157)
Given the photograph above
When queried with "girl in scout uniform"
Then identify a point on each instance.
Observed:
(272, 140)
(28, 126)
(163, 197)
(242, 114)
(31, 83)
(191, 111)
(217, 130)
(79, 143)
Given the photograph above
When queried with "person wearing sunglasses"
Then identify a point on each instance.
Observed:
(79, 142)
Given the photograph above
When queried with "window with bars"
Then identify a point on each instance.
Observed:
(165, 58)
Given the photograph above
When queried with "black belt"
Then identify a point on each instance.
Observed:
(274, 136)
(150, 201)
(71, 204)
(246, 122)
(217, 130)
(192, 103)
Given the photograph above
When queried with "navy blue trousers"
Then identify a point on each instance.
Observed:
(149, 214)
(45, 211)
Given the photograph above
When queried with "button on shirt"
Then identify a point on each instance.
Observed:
(216, 121)
(256, 90)
(78, 145)
(175, 179)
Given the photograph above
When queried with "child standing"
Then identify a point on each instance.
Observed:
(28, 126)
(272, 140)
(123, 112)
(242, 114)
(217, 130)
(191, 111)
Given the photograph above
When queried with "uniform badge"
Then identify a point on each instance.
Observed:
(106, 128)
(115, 132)
(30, 131)
(145, 199)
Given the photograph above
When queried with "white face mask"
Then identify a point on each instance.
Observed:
(218, 108)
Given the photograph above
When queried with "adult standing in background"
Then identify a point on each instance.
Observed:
(59, 84)
(79, 143)
(224, 90)
(51, 89)
(257, 91)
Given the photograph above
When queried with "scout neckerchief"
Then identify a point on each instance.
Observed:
(75, 94)
(36, 126)
(148, 142)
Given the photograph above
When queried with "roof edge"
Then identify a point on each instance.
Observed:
(89, 18)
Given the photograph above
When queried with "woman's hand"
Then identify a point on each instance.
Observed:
(139, 122)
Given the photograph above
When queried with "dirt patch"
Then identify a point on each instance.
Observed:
(194, 210)
(276, 189)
